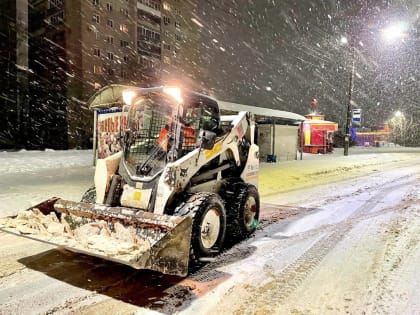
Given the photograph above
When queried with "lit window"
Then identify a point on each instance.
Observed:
(166, 6)
(97, 69)
(124, 28)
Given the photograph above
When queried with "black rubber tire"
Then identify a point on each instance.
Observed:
(198, 206)
(242, 203)
(90, 195)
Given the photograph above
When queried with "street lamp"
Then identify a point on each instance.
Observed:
(393, 32)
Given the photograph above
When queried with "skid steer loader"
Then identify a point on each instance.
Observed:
(185, 180)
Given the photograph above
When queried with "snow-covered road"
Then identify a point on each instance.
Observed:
(343, 239)
(354, 249)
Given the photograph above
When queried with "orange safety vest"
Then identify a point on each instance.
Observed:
(189, 136)
(163, 138)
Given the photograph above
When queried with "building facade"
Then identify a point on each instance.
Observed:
(79, 46)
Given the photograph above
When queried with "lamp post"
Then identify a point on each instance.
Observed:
(345, 41)
(349, 111)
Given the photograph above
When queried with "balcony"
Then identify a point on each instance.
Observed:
(148, 48)
(148, 40)
(148, 10)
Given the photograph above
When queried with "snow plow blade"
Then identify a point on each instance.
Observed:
(140, 239)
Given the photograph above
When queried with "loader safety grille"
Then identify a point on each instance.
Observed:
(148, 137)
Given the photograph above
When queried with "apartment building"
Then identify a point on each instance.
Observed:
(181, 43)
(167, 40)
(79, 46)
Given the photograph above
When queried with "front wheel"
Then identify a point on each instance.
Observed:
(208, 224)
(243, 209)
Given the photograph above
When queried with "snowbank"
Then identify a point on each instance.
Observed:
(30, 161)
(29, 177)
(318, 169)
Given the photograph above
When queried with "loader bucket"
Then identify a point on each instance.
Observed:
(140, 239)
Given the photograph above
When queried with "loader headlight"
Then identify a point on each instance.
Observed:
(174, 92)
(128, 97)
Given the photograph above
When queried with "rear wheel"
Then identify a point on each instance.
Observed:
(208, 224)
(243, 209)
(90, 195)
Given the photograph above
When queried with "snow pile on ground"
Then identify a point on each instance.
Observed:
(30, 177)
(121, 242)
(29, 161)
(318, 169)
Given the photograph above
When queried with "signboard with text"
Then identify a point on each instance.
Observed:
(110, 124)
(357, 118)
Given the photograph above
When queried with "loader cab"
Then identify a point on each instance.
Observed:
(162, 126)
(201, 113)
(145, 149)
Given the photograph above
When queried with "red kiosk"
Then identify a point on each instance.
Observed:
(317, 134)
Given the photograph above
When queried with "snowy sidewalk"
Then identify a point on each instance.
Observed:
(29, 177)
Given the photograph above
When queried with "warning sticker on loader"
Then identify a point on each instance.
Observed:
(216, 149)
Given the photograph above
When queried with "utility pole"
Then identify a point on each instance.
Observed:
(349, 109)
(22, 68)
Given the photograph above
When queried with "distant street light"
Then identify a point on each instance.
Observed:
(343, 40)
(399, 125)
(394, 32)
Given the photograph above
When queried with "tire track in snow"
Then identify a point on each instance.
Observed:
(274, 293)
(401, 239)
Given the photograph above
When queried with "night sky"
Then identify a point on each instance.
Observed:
(281, 54)
(278, 54)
